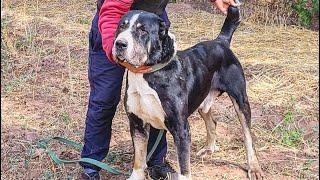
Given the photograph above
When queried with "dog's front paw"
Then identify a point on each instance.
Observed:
(137, 174)
(182, 177)
(207, 150)
(255, 173)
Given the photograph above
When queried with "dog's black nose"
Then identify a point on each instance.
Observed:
(121, 44)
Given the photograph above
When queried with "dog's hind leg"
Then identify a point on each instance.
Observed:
(233, 81)
(243, 111)
(208, 115)
(140, 135)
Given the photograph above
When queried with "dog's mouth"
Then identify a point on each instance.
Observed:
(119, 58)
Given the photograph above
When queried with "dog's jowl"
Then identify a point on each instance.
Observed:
(186, 81)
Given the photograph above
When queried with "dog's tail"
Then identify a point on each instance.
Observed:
(230, 24)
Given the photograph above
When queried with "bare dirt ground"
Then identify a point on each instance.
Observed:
(44, 92)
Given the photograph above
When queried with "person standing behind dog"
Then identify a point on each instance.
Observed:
(105, 78)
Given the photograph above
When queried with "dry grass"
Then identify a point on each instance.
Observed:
(44, 93)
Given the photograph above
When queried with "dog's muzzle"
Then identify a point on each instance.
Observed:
(121, 47)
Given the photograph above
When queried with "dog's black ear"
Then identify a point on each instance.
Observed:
(162, 47)
(168, 47)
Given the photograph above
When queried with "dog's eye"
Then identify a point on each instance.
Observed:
(123, 25)
(142, 30)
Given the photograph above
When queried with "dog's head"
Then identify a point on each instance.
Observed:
(142, 38)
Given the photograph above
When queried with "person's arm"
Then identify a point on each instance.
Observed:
(109, 17)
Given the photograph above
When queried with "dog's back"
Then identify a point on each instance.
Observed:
(201, 61)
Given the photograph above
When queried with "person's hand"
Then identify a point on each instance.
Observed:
(223, 5)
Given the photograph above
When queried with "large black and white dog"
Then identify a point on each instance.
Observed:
(190, 80)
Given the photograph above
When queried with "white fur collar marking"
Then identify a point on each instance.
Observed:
(144, 101)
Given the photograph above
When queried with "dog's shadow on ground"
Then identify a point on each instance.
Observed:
(220, 162)
(121, 156)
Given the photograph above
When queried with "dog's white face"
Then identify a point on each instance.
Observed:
(143, 39)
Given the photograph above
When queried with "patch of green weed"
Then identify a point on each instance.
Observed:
(65, 117)
(292, 137)
(288, 133)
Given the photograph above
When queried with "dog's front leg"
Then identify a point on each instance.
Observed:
(179, 128)
(140, 134)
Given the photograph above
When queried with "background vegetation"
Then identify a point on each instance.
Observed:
(284, 12)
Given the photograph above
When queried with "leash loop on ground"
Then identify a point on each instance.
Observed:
(44, 144)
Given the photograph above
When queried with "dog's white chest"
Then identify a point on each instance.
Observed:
(144, 101)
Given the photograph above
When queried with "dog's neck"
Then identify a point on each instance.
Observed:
(159, 66)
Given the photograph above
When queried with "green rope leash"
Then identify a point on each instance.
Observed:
(154, 147)
(44, 144)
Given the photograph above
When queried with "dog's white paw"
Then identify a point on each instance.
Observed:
(137, 174)
(182, 177)
(207, 150)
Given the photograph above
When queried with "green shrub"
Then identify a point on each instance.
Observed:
(306, 10)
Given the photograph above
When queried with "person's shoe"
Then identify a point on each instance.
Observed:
(162, 172)
(90, 174)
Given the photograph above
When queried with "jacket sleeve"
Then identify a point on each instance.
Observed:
(109, 17)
